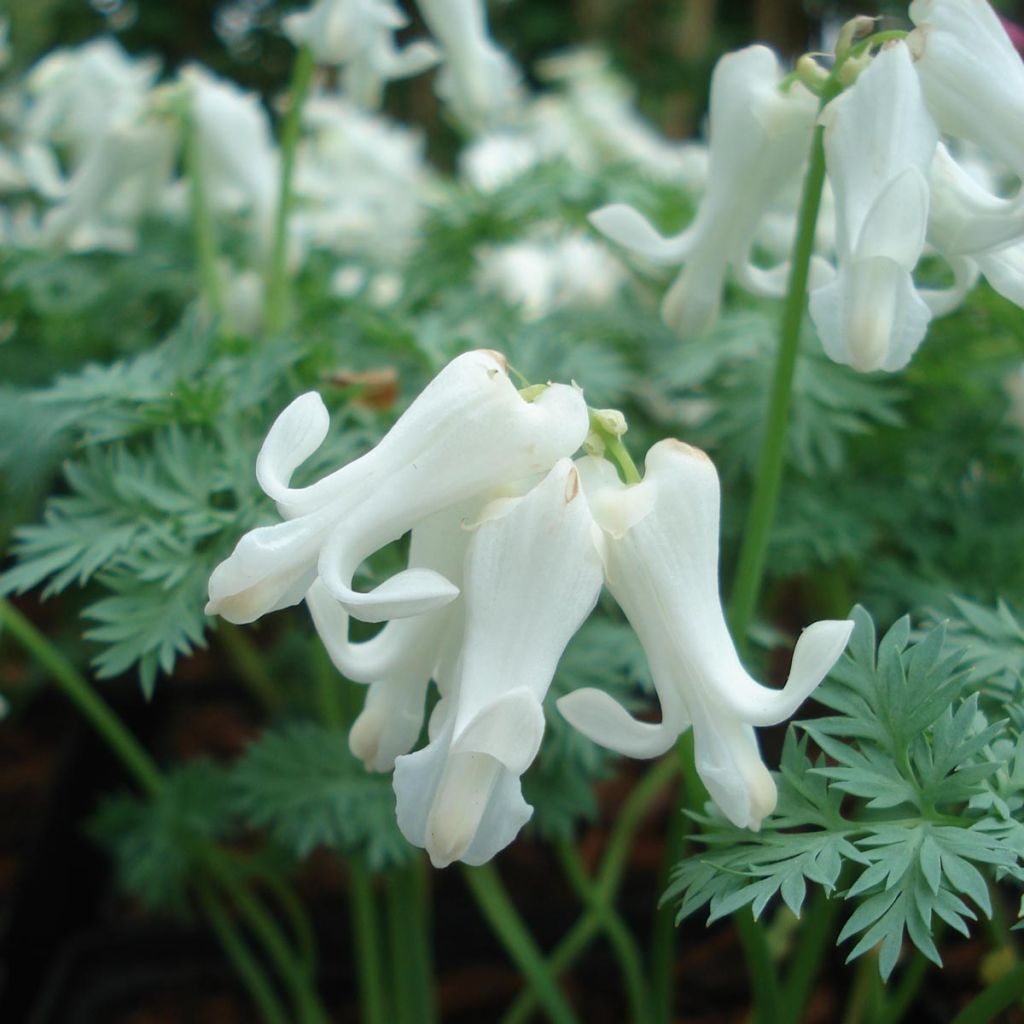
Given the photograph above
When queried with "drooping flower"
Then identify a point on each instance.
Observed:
(971, 75)
(468, 431)
(532, 576)
(659, 542)
(121, 178)
(236, 154)
(360, 182)
(760, 135)
(477, 81)
(359, 34)
(399, 662)
(77, 94)
(879, 145)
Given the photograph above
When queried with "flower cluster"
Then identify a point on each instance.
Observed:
(900, 192)
(511, 542)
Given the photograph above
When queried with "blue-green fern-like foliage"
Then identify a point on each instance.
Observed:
(900, 802)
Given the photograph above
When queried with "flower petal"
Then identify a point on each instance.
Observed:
(624, 225)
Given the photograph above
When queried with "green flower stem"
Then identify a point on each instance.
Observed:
(307, 1005)
(898, 1003)
(1000, 995)
(330, 688)
(576, 941)
(865, 1002)
(276, 311)
(629, 820)
(760, 965)
(298, 920)
(497, 907)
(242, 959)
(663, 933)
(815, 940)
(622, 942)
(250, 666)
(411, 968)
(93, 707)
(614, 448)
(761, 512)
(609, 877)
(367, 942)
(203, 231)
(145, 771)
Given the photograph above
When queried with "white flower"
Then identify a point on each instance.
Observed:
(660, 549)
(119, 180)
(602, 117)
(360, 35)
(975, 229)
(971, 74)
(399, 662)
(237, 157)
(360, 182)
(78, 94)
(532, 576)
(879, 144)
(477, 80)
(469, 430)
(494, 160)
(760, 136)
(541, 275)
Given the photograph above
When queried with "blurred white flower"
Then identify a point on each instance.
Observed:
(468, 431)
(76, 95)
(360, 182)
(532, 575)
(493, 160)
(971, 74)
(759, 139)
(600, 106)
(237, 156)
(544, 274)
(399, 662)
(479, 82)
(879, 145)
(359, 34)
(659, 543)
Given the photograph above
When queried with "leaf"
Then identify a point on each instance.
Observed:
(155, 841)
(301, 784)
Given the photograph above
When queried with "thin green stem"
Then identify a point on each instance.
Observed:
(276, 312)
(494, 902)
(410, 947)
(760, 966)
(630, 816)
(250, 666)
(241, 957)
(899, 1002)
(816, 926)
(863, 1004)
(1003, 993)
(330, 686)
(367, 941)
(298, 920)
(609, 876)
(622, 942)
(663, 931)
(93, 707)
(614, 447)
(576, 940)
(307, 1005)
(761, 512)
